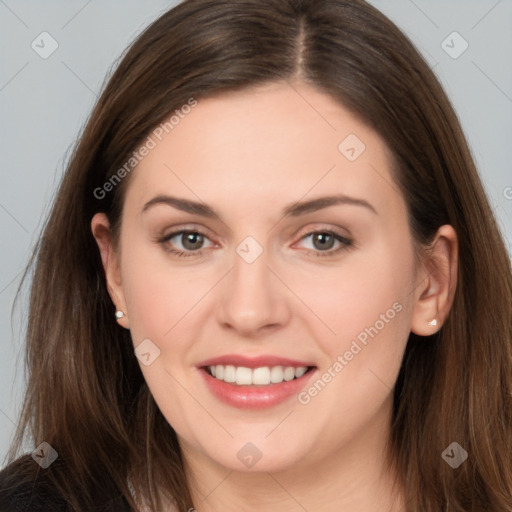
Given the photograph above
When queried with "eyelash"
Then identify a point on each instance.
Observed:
(347, 243)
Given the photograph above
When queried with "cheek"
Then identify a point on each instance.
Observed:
(343, 300)
(367, 305)
(158, 294)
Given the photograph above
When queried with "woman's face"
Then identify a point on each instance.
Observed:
(296, 253)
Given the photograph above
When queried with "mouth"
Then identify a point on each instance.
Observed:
(257, 383)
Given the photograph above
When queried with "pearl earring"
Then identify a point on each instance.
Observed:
(119, 314)
(432, 323)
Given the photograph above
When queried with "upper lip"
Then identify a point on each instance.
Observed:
(253, 362)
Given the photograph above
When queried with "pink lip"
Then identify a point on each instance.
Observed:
(255, 397)
(253, 362)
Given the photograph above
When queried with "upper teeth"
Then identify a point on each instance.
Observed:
(263, 376)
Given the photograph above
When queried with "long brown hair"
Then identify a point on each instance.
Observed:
(86, 395)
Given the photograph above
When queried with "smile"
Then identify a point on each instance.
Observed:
(257, 382)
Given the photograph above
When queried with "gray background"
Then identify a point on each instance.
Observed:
(44, 103)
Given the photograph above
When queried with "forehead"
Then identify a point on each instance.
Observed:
(268, 145)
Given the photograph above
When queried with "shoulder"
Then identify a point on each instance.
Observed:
(25, 487)
(23, 490)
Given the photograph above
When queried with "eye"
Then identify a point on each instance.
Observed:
(184, 243)
(322, 242)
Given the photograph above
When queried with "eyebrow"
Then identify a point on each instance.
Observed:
(293, 210)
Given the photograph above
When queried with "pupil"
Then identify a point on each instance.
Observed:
(324, 239)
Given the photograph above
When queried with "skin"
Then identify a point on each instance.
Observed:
(248, 155)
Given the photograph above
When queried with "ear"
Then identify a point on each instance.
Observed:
(436, 283)
(100, 227)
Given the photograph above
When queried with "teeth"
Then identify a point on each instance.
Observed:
(264, 376)
(261, 376)
(299, 372)
(289, 373)
(276, 374)
(243, 376)
(229, 374)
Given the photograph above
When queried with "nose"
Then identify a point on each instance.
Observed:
(253, 300)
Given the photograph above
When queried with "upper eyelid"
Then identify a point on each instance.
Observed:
(185, 229)
(172, 234)
(323, 229)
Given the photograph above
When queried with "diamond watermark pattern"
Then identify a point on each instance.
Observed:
(352, 147)
(44, 455)
(249, 454)
(454, 455)
(249, 249)
(44, 45)
(147, 352)
(454, 45)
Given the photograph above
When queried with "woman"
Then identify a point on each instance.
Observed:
(270, 279)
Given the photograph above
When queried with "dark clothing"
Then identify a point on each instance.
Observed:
(19, 493)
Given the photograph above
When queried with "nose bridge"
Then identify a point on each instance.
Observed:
(252, 299)
(250, 276)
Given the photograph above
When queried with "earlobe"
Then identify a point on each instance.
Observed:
(100, 228)
(436, 285)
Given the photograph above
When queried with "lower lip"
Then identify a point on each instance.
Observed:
(255, 397)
